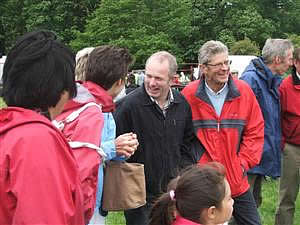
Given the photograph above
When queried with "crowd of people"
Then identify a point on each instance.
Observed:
(205, 150)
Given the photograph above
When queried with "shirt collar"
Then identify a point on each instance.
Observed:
(213, 92)
(170, 98)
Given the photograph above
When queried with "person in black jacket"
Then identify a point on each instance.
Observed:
(162, 120)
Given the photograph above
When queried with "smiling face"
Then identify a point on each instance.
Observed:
(157, 80)
(216, 71)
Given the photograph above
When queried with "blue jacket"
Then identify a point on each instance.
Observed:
(265, 86)
(108, 146)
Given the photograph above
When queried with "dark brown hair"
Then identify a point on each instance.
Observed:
(107, 64)
(197, 188)
(297, 54)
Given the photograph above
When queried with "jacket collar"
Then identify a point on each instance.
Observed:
(101, 96)
(265, 73)
(147, 99)
(233, 91)
(91, 92)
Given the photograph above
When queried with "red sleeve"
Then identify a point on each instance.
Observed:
(44, 178)
(251, 147)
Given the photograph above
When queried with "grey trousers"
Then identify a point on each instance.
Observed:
(289, 185)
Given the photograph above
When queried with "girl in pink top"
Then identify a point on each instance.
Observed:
(201, 195)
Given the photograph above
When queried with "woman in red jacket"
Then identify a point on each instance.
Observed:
(39, 177)
(201, 195)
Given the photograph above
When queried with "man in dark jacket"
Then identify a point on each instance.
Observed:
(263, 76)
(162, 120)
(290, 121)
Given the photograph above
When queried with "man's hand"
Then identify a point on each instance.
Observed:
(126, 144)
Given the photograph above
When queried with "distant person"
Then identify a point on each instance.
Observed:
(175, 80)
(235, 73)
(131, 84)
(263, 75)
(162, 120)
(39, 181)
(290, 122)
(105, 72)
(201, 195)
(228, 122)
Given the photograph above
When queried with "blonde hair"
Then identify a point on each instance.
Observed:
(81, 60)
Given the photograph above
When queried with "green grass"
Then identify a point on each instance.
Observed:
(267, 209)
(115, 218)
(2, 104)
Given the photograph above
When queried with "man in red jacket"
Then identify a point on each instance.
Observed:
(228, 122)
(290, 121)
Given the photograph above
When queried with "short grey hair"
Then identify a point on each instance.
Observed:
(275, 47)
(162, 56)
(209, 49)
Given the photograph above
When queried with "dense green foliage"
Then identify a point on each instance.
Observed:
(145, 26)
(244, 47)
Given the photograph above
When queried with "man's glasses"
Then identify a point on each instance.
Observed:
(220, 65)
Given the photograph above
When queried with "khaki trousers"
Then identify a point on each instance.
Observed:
(289, 185)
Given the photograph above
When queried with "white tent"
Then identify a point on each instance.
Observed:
(240, 62)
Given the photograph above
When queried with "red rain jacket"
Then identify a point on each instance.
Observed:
(290, 108)
(236, 137)
(39, 178)
(87, 128)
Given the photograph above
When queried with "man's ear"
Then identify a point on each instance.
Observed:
(211, 212)
(277, 59)
(202, 68)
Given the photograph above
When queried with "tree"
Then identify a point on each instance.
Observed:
(142, 26)
(295, 39)
(62, 17)
(244, 47)
(12, 23)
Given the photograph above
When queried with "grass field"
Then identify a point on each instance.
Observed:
(267, 210)
(2, 104)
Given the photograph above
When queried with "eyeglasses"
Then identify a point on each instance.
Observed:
(219, 65)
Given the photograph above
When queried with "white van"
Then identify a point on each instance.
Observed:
(240, 62)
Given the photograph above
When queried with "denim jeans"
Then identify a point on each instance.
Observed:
(138, 216)
(245, 210)
(255, 181)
